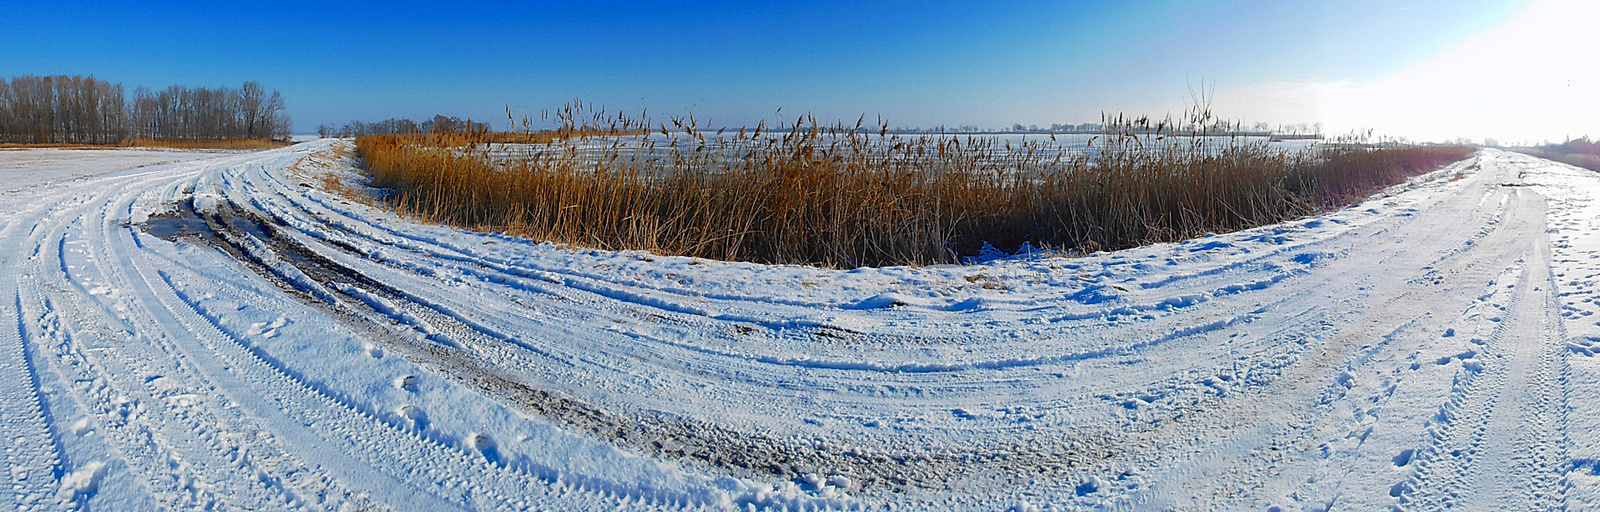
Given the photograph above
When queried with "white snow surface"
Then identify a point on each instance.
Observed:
(25, 168)
(1435, 346)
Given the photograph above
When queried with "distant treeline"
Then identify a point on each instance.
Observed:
(439, 124)
(86, 110)
(1581, 152)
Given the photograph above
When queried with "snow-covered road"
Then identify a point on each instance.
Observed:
(222, 333)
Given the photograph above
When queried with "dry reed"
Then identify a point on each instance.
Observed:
(843, 196)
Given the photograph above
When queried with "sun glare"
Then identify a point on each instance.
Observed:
(1533, 78)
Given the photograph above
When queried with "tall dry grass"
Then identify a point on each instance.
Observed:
(844, 196)
(1580, 152)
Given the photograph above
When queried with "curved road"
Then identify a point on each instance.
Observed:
(225, 333)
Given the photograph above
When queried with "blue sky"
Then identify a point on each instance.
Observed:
(916, 63)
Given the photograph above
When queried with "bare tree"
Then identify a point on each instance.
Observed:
(75, 109)
(182, 113)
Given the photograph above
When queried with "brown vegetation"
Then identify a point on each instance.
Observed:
(841, 196)
(1580, 152)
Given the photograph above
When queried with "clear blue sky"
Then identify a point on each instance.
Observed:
(917, 63)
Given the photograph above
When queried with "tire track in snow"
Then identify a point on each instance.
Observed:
(1219, 414)
(30, 447)
(745, 451)
(202, 447)
(1489, 251)
(118, 340)
(183, 443)
(471, 352)
(888, 369)
(1502, 445)
(1313, 379)
(86, 469)
(240, 377)
(1025, 458)
(46, 330)
(1258, 450)
(393, 455)
(32, 451)
(1383, 231)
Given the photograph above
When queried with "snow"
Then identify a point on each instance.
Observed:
(84, 480)
(25, 168)
(1434, 346)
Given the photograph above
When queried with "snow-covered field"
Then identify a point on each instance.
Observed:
(23, 168)
(220, 333)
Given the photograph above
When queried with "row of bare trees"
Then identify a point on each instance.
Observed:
(86, 110)
(398, 126)
(61, 109)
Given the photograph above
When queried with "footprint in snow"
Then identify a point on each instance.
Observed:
(413, 415)
(486, 446)
(1463, 357)
(1089, 486)
(84, 481)
(1403, 458)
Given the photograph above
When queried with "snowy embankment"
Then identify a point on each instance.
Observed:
(223, 333)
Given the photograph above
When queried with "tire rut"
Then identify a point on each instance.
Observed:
(661, 435)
